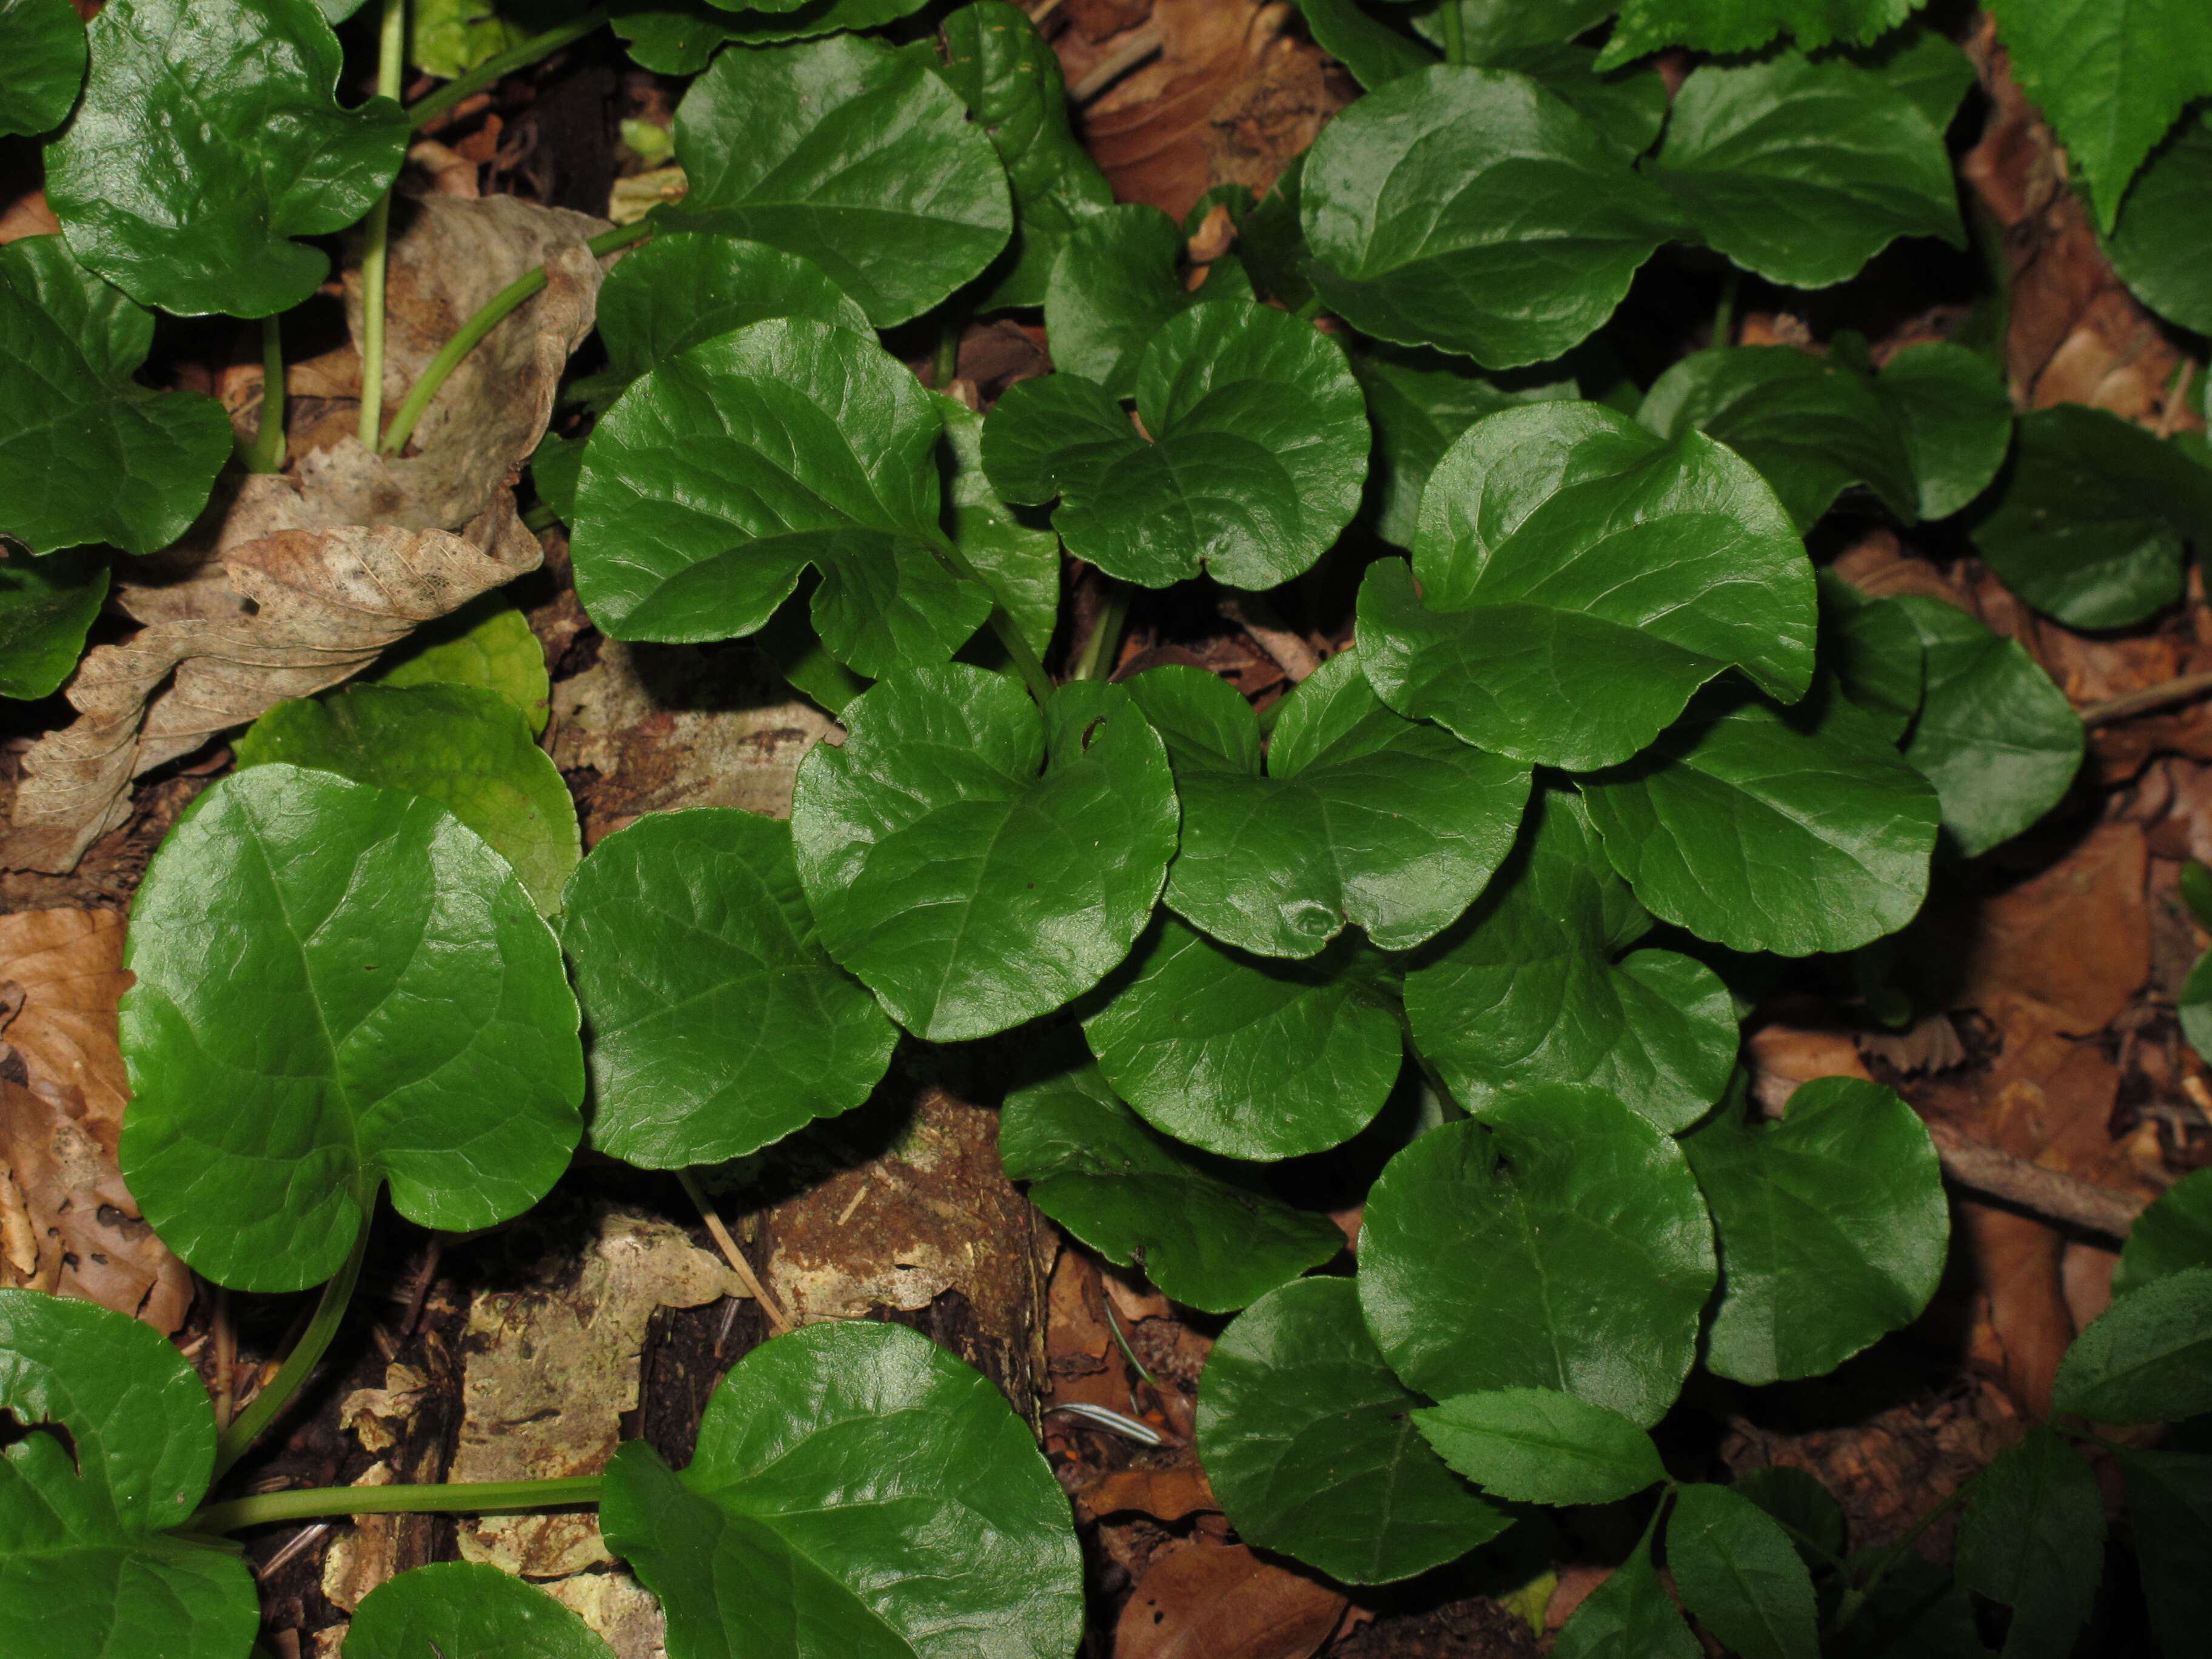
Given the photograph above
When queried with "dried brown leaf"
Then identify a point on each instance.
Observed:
(2074, 939)
(1168, 1494)
(1207, 1600)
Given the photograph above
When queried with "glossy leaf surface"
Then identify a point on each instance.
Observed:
(1006, 546)
(42, 42)
(1539, 1446)
(1113, 286)
(2174, 1234)
(487, 644)
(2160, 245)
(2148, 1358)
(1737, 1570)
(1731, 26)
(2034, 1539)
(465, 1607)
(680, 37)
(1954, 416)
(45, 606)
(1875, 650)
(1629, 1615)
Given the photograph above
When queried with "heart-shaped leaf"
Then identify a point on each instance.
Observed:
(90, 1564)
(1790, 830)
(459, 1607)
(850, 155)
(45, 606)
(1113, 286)
(1257, 446)
(2093, 517)
(42, 43)
(1738, 1572)
(87, 454)
(856, 1490)
(2169, 1511)
(2161, 245)
(1539, 1446)
(337, 986)
(2034, 1539)
(209, 139)
(468, 750)
(680, 37)
(719, 476)
(488, 644)
(718, 1024)
(1955, 419)
(2174, 1234)
(970, 883)
(1538, 984)
(1579, 578)
(1629, 1615)
(1004, 546)
(1363, 816)
(1309, 1442)
(2148, 1358)
(1474, 211)
(1833, 1224)
(1558, 1242)
(1997, 738)
(1206, 1231)
(1250, 1056)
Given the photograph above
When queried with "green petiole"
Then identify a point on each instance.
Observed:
(469, 1497)
(456, 92)
(247, 1427)
(376, 250)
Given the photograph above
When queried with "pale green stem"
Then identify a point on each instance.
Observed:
(1454, 34)
(325, 1503)
(246, 1427)
(1027, 663)
(454, 93)
(1725, 312)
(1096, 660)
(391, 43)
(1855, 1598)
(267, 452)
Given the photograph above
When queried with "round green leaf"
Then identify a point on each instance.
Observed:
(1474, 211)
(468, 750)
(680, 37)
(1874, 651)
(1374, 51)
(487, 644)
(2161, 244)
(337, 986)
(1558, 1242)
(1363, 816)
(2033, 1538)
(856, 1491)
(1579, 578)
(719, 476)
(2092, 516)
(1538, 984)
(1803, 170)
(718, 1024)
(1253, 452)
(2174, 1235)
(1790, 830)
(1006, 546)
(1206, 1231)
(1309, 1443)
(1113, 286)
(1250, 1056)
(1739, 1573)
(42, 43)
(1539, 1446)
(45, 606)
(1627, 106)
(1833, 1227)
(1812, 426)
(850, 155)
(969, 884)
(464, 1608)
(1731, 26)
(207, 140)
(87, 454)
(2146, 1358)
(1997, 738)
(1956, 418)
(88, 1564)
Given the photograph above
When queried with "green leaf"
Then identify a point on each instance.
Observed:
(207, 140)
(1474, 211)
(1806, 1508)
(719, 476)
(679, 37)
(2033, 1538)
(1732, 26)
(2170, 1512)
(1955, 417)
(1832, 1226)
(719, 1025)
(1374, 50)
(1629, 1615)
(45, 606)
(2146, 1358)
(850, 155)
(1250, 1057)
(463, 1608)
(1539, 1446)
(488, 644)
(1538, 984)
(2092, 519)
(1920, 62)
(451, 37)
(2160, 245)
(468, 750)
(856, 1491)
(90, 1565)
(2195, 1005)
(1271, 242)
(1739, 1573)
(1113, 286)
(1363, 816)
(1628, 105)
(1018, 559)
(1207, 1232)
(337, 986)
(1309, 1442)
(2109, 75)
(87, 454)
(2174, 1235)
(1874, 648)
(968, 882)
(1803, 170)
(1579, 578)
(2000, 741)
(1558, 1242)
(1788, 830)
(1254, 448)
(556, 467)
(42, 42)
(1918, 1610)
(1011, 80)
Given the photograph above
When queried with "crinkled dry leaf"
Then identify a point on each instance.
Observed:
(1207, 1600)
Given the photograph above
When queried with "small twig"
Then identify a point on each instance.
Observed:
(1257, 617)
(2055, 1197)
(1127, 1353)
(2164, 693)
(297, 1541)
(733, 1256)
(1104, 73)
(2169, 414)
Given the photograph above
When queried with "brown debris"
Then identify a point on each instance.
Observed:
(1202, 1600)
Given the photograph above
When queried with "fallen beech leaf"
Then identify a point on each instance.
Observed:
(2076, 938)
(1203, 1601)
(1163, 1494)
